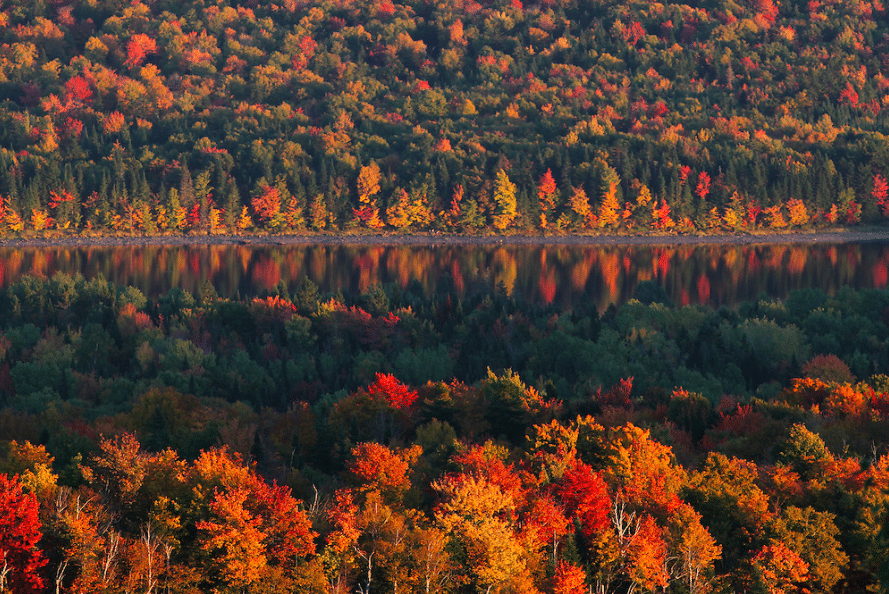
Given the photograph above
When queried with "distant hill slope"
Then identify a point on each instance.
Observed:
(210, 116)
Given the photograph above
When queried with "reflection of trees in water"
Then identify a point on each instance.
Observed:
(557, 275)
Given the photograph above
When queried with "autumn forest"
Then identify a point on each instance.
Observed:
(398, 440)
(212, 116)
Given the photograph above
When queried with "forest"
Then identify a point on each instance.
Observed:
(215, 117)
(403, 442)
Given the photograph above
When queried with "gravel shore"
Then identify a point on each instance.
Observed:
(838, 236)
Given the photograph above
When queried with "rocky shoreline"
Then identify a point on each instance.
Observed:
(836, 236)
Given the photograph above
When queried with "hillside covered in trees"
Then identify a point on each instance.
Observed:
(212, 116)
(402, 442)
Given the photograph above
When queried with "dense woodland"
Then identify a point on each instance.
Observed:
(402, 442)
(210, 116)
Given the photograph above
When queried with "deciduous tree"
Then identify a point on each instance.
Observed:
(20, 558)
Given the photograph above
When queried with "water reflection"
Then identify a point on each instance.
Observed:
(555, 274)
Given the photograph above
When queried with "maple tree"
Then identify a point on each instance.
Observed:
(389, 389)
(378, 468)
(569, 579)
(20, 533)
(779, 569)
(267, 206)
(546, 194)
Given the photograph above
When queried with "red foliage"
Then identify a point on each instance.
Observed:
(267, 205)
(193, 218)
(767, 10)
(19, 534)
(742, 421)
(703, 187)
(849, 96)
(77, 91)
(879, 403)
(584, 492)
(658, 109)
(880, 193)
(71, 128)
(57, 198)
(616, 395)
(384, 9)
(288, 528)
(364, 214)
(634, 33)
(392, 391)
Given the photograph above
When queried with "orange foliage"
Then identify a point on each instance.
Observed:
(778, 569)
(647, 556)
(546, 191)
(661, 217)
(378, 468)
(703, 187)
(267, 206)
(609, 209)
(569, 579)
(484, 463)
(806, 392)
(138, 47)
(844, 400)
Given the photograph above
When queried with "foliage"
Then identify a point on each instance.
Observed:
(537, 478)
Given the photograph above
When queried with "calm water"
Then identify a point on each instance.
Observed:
(709, 274)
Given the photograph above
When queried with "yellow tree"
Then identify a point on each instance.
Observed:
(799, 216)
(477, 514)
(368, 185)
(233, 540)
(609, 209)
(580, 205)
(398, 213)
(416, 207)
(318, 212)
(505, 209)
(694, 550)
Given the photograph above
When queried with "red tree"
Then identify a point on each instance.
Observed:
(881, 193)
(585, 492)
(393, 391)
(703, 185)
(20, 560)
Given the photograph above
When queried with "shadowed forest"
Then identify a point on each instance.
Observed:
(210, 116)
(397, 441)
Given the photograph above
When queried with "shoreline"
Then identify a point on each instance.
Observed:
(864, 235)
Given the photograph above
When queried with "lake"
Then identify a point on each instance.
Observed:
(713, 274)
